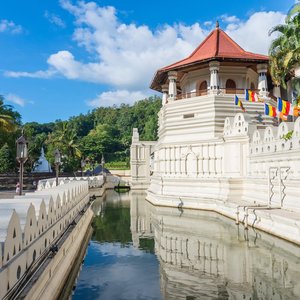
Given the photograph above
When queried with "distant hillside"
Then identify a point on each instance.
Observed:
(104, 130)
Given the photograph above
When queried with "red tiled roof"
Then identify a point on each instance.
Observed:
(217, 45)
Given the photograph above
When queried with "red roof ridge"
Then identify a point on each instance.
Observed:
(218, 44)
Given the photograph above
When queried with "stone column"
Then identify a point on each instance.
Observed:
(262, 80)
(289, 90)
(165, 89)
(214, 67)
(276, 91)
(135, 136)
(172, 76)
(297, 71)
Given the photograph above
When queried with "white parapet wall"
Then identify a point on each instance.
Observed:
(31, 224)
(248, 164)
(93, 181)
(141, 161)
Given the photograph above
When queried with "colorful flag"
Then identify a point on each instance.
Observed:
(251, 96)
(239, 103)
(270, 110)
(284, 106)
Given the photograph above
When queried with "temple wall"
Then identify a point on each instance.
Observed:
(141, 161)
(230, 166)
(202, 118)
(30, 225)
(247, 164)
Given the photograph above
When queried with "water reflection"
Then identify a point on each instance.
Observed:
(206, 256)
(199, 255)
(113, 267)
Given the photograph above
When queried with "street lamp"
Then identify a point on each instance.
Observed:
(57, 161)
(102, 165)
(82, 163)
(22, 156)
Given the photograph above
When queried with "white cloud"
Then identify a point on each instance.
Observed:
(229, 19)
(16, 99)
(116, 98)
(54, 19)
(38, 74)
(10, 26)
(208, 23)
(126, 56)
(252, 34)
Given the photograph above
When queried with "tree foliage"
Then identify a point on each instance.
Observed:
(104, 131)
(6, 159)
(10, 121)
(285, 49)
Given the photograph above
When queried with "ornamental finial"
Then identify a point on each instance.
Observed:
(217, 24)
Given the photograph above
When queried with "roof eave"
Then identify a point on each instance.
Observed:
(156, 82)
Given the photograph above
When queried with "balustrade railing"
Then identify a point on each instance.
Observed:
(228, 91)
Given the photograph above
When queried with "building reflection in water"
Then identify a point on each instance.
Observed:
(204, 255)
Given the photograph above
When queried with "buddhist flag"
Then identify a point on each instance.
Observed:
(239, 103)
(270, 110)
(284, 107)
(251, 96)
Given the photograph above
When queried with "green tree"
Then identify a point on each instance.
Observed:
(65, 139)
(285, 49)
(10, 121)
(294, 10)
(36, 134)
(103, 140)
(6, 159)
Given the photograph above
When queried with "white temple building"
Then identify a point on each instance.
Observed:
(42, 165)
(210, 154)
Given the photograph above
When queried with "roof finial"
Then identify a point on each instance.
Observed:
(217, 24)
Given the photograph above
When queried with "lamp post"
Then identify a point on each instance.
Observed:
(102, 166)
(22, 156)
(82, 163)
(57, 161)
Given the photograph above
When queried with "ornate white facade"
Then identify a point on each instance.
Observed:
(210, 155)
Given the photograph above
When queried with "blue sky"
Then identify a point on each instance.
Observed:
(63, 58)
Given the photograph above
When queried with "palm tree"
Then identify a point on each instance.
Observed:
(65, 139)
(7, 123)
(295, 9)
(285, 49)
(7, 119)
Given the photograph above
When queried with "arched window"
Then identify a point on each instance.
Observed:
(252, 86)
(230, 87)
(202, 90)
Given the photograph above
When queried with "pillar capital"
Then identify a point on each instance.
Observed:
(165, 88)
(172, 75)
(262, 68)
(214, 65)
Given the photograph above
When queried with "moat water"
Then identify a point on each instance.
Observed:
(139, 251)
